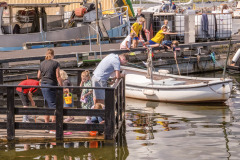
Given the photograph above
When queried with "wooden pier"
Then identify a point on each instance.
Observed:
(14, 130)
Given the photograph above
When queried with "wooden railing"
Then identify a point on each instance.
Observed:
(114, 112)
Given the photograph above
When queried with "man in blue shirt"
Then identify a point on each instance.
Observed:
(106, 67)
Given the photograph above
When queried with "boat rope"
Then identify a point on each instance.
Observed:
(138, 66)
(189, 59)
(212, 56)
(175, 57)
(216, 91)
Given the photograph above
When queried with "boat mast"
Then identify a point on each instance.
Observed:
(226, 62)
(149, 64)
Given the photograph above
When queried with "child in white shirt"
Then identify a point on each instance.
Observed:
(126, 43)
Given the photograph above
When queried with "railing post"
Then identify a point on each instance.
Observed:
(59, 114)
(79, 79)
(121, 100)
(110, 106)
(123, 96)
(10, 114)
(118, 106)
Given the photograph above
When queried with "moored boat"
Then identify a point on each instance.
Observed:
(156, 86)
(32, 23)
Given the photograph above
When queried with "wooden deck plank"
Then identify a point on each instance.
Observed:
(70, 51)
(41, 136)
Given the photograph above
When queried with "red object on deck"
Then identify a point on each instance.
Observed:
(93, 133)
(80, 11)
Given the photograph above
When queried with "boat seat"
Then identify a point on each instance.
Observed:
(169, 83)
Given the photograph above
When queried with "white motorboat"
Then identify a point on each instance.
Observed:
(156, 86)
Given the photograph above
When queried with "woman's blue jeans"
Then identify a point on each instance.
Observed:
(49, 95)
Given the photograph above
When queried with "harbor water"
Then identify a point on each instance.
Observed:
(155, 130)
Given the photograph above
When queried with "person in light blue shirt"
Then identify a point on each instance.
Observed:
(106, 67)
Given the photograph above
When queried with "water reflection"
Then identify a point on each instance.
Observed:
(88, 150)
(167, 130)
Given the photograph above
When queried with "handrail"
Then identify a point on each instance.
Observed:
(113, 112)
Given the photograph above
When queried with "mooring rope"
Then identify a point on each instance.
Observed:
(216, 91)
(136, 65)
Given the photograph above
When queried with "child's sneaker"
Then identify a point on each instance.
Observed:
(69, 119)
(67, 133)
(88, 121)
(25, 118)
(52, 132)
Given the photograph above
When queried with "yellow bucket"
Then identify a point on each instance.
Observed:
(68, 98)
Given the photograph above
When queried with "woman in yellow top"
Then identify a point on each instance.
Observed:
(136, 28)
(157, 39)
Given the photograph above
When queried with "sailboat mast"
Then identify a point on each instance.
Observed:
(150, 64)
(226, 62)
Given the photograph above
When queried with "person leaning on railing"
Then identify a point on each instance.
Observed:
(49, 72)
(105, 68)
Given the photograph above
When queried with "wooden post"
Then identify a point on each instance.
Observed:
(79, 79)
(10, 114)
(59, 115)
(109, 114)
(118, 106)
(123, 96)
(121, 100)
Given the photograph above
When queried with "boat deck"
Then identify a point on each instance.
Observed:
(70, 51)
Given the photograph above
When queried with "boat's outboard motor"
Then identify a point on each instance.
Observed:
(236, 57)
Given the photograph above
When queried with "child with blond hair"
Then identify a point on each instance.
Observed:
(87, 94)
(67, 92)
(97, 119)
(157, 39)
(136, 28)
(126, 43)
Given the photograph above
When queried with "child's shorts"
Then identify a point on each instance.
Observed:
(135, 38)
(167, 43)
(151, 42)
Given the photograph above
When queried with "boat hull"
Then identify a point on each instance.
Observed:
(10, 42)
(174, 88)
(214, 93)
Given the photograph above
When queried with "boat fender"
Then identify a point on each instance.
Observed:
(236, 56)
(163, 71)
(148, 92)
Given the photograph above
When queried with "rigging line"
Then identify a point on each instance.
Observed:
(139, 58)
(136, 65)
(189, 59)
(216, 91)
